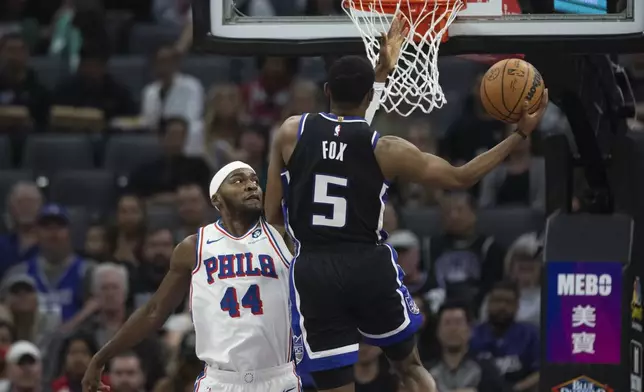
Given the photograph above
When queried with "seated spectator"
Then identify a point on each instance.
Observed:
(465, 263)
(512, 345)
(523, 264)
(7, 337)
(520, 180)
(93, 87)
(110, 287)
(159, 179)
(456, 369)
(31, 323)
(407, 246)
(173, 93)
(126, 373)
(60, 275)
(267, 95)
(24, 367)
(193, 208)
(95, 247)
(74, 357)
(225, 120)
(157, 251)
(186, 368)
(416, 195)
(304, 97)
(253, 145)
(373, 372)
(125, 237)
(20, 87)
(23, 205)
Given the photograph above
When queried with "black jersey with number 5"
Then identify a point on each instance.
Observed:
(334, 190)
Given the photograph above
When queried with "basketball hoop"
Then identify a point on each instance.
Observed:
(414, 83)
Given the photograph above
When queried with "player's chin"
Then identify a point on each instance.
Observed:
(253, 204)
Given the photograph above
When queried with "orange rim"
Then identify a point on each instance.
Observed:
(413, 9)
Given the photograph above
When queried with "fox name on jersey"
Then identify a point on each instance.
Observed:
(239, 299)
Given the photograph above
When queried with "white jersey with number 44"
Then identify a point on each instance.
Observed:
(239, 299)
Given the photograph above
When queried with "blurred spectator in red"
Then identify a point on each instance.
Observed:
(225, 120)
(96, 247)
(520, 180)
(523, 264)
(23, 205)
(185, 370)
(407, 246)
(465, 263)
(159, 179)
(111, 286)
(7, 337)
(125, 237)
(74, 357)
(267, 95)
(19, 86)
(61, 276)
(24, 367)
(373, 372)
(126, 373)
(93, 87)
(21, 298)
(192, 206)
(457, 369)
(173, 93)
(157, 251)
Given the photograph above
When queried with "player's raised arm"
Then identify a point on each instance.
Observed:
(399, 158)
(284, 141)
(151, 316)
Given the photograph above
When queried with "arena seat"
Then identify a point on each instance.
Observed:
(124, 153)
(93, 189)
(208, 69)
(6, 156)
(425, 222)
(80, 221)
(162, 216)
(132, 71)
(147, 38)
(50, 70)
(8, 178)
(47, 154)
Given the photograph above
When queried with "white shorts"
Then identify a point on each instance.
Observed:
(277, 379)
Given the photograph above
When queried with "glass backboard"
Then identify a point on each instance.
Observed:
(506, 26)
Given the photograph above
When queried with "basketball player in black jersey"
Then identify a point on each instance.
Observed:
(335, 171)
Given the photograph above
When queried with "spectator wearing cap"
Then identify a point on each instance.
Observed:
(7, 337)
(23, 204)
(126, 373)
(407, 246)
(21, 297)
(464, 262)
(61, 277)
(24, 367)
(523, 266)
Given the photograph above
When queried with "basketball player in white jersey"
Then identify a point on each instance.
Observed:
(236, 271)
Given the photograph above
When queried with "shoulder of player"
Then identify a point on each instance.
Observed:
(290, 126)
(185, 253)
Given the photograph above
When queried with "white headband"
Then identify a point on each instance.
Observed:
(224, 172)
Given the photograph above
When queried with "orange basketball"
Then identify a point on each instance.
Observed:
(506, 85)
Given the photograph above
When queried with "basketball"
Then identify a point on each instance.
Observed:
(506, 85)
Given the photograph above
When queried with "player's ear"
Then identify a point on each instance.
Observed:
(327, 92)
(215, 201)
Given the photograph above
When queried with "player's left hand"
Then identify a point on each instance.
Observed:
(390, 46)
(530, 121)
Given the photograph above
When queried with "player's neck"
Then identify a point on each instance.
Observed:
(345, 112)
(238, 225)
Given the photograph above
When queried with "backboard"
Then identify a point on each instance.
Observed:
(485, 26)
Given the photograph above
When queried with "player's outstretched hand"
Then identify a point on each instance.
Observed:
(390, 46)
(92, 379)
(530, 121)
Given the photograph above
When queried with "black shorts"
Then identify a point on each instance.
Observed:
(339, 294)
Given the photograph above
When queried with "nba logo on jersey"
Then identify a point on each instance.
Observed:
(336, 132)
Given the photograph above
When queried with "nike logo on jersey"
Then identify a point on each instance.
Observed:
(333, 150)
(289, 390)
(208, 242)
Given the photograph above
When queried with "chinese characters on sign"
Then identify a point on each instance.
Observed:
(583, 312)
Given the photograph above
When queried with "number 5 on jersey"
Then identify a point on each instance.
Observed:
(339, 204)
(251, 300)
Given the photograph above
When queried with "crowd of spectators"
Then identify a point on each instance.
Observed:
(102, 174)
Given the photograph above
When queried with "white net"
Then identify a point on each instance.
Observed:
(414, 83)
